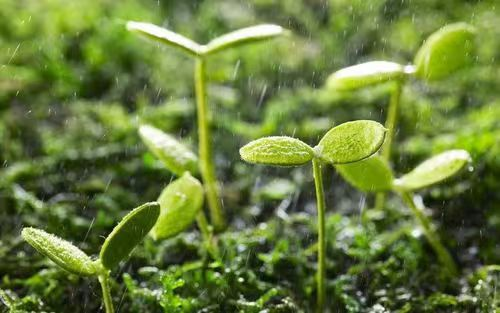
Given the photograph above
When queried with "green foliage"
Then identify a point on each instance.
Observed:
(365, 74)
(176, 157)
(434, 170)
(445, 51)
(282, 151)
(62, 252)
(128, 233)
(350, 142)
(180, 202)
(369, 175)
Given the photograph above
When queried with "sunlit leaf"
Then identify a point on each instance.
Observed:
(351, 142)
(165, 36)
(284, 151)
(365, 74)
(180, 203)
(369, 175)
(62, 252)
(445, 51)
(176, 156)
(244, 36)
(128, 234)
(434, 170)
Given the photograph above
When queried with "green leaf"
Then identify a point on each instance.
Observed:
(368, 175)
(445, 51)
(244, 36)
(176, 156)
(128, 234)
(180, 203)
(365, 74)
(165, 36)
(62, 252)
(351, 142)
(434, 170)
(284, 151)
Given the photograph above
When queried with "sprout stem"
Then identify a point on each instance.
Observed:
(433, 238)
(391, 125)
(207, 168)
(320, 200)
(206, 233)
(106, 294)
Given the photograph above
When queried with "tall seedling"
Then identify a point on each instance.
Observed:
(375, 175)
(201, 53)
(443, 53)
(348, 142)
(118, 245)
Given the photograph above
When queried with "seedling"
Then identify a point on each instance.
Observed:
(118, 245)
(181, 201)
(443, 53)
(201, 53)
(346, 143)
(375, 175)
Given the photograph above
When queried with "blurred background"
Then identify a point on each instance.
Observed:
(75, 85)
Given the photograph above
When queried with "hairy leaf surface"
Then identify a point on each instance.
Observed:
(277, 150)
(62, 252)
(351, 142)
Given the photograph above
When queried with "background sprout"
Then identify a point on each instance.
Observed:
(118, 245)
(200, 53)
(348, 142)
(374, 174)
(443, 53)
(181, 201)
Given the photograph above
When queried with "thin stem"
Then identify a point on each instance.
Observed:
(207, 235)
(391, 125)
(320, 200)
(433, 238)
(106, 294)
(205, 147)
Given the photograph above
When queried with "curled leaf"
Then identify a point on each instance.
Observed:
(351, 142)
(434, 170)
(244, 36)
(284, 151)
(60, 251)
(365, 74)
(445, 51)
(128, 234)
(165, 36)
(176, 156)
(180, 203)
(368, 175)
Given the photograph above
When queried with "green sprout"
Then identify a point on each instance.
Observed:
(201, 53)
(375, 175)
(118, 245)
(443, 53)
(345, 143)
(181, 201)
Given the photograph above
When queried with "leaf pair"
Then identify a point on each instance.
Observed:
(348, 142)
(232, 39)
(374, 174)
(444, 52)
(117, 246)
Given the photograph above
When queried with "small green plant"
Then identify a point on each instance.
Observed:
(443, 53)
(181, 201)
(346, 143)
(374, 175)
(201, 53)
(118, 245)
